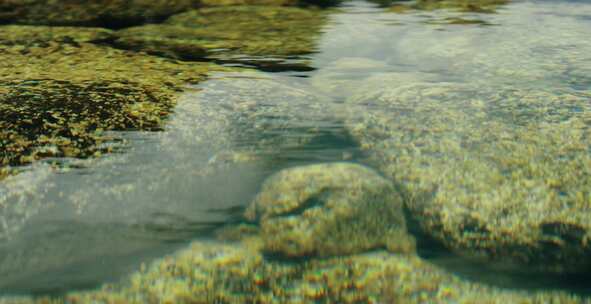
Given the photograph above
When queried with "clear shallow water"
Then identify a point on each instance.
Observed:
(80, 227)
(98, 220)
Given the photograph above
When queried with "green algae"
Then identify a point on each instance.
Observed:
(223, 32)
(59, 93)
(329, 209)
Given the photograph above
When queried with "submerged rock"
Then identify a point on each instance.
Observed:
(471, 6)
(58, 93)
(329, 209)
(497, 173)
(229, 33)
(106, 13)
(117, 13)
(209, 272)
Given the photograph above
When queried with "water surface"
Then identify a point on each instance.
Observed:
(98, 219)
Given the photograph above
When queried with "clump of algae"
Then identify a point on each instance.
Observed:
(58, 93)
(501, 174)
(227, 31)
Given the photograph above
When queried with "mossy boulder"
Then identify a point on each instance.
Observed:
(229, 33)
(59, 94)
(329, 209)
(496, 173)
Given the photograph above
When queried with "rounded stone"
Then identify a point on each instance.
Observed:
(329, 209)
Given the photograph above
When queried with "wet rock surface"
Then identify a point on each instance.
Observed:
(329, 209)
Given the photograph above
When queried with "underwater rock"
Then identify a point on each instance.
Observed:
(229, 33)
(48, 108)
(319, 3)
(103, 13)
(210, 272)
(329, 209)
(496, 173)
(471, 6)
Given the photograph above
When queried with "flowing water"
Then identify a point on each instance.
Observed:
(95, 220)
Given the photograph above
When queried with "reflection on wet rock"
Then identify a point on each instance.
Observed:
(230, 34)
(329, 209)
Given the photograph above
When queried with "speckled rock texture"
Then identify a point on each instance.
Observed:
(59, 93)
(468, 6)
(209, 272)
(106, 13)
(501, 174)
(117, 13)
(329, 209)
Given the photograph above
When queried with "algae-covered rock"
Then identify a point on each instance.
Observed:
(209, 272)
(29, 34)
(58, 94)
(208, 3)
(472, 6)
(228, 32)
(320, 3)
(105, 13)
(329, 209)
(495, 173)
